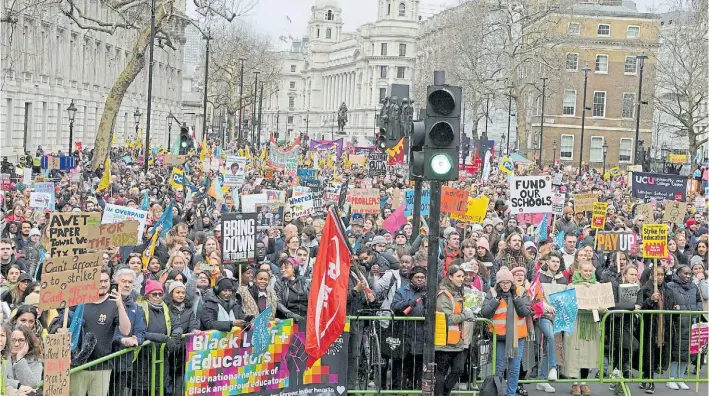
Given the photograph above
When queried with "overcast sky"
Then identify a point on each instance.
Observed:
(269, 16)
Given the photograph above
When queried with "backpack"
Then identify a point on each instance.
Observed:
(493, 385)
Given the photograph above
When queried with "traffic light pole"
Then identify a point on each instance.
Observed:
(429, 352)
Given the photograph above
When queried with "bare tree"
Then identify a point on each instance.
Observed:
(681, 90)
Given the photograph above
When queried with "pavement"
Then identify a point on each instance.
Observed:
(602, 390)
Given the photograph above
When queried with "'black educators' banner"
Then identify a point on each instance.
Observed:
(659, 186)
(238, 237)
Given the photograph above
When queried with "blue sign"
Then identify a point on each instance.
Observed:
(65, 162)
(425, 203)
(564, 302)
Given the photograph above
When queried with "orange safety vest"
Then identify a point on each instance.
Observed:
(453, 332)
(499, 320)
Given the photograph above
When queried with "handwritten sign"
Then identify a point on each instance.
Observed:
(115, 214)
(57, 363)
(364, 201)
(70, 281)
(453, 201)
(124, 233)
(598, 220)
(628, 293)
(475, 211)
(609, 241)
(646, 211)
(302, 205)
(530, 194)
(68, 233)
(654, 238)
(590, 297)
(565, 304)
(584, 202)
(674, 212)
(409, 202)
(332, 192)
(377, 164)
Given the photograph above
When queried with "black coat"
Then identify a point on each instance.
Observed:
(292, 298)
(209, 315)
(686, 296)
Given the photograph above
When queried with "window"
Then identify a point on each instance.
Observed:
(631, 65)
(328, 33)
(566, 149)
(402, 9)
(292, 85)
(633, 32)
(596, 149)
(402, 49)
(625, 150)
(383, 71)
(292, 68)
(290, 119)
(329, 16)
(291, 102)
(628, 109)
(388, 9)
(400, 71)
(569, 107)
(318, 32)
(604, 30)
(382, 94)
(601, 63)
(599, 103)
(572, 62)
(574, 29)
(384, 49)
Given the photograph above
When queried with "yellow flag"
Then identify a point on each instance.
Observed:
(263, 155)
(203, 150)
(105, 182)
(247, 153)
(150, 250)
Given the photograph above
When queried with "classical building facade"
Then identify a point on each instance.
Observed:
(329, 67)
(48, 61)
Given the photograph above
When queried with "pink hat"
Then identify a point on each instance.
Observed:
(152, 285)
(518, 269)
(504, 275)
(482, 242)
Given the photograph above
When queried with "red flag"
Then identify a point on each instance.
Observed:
(396, 153)
(328, 291)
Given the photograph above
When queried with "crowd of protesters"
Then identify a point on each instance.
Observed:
(186, 288)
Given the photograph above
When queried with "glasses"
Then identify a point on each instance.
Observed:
(19, 341)
(419, 277)
(156, 294)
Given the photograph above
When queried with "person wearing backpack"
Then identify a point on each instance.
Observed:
(508, 311)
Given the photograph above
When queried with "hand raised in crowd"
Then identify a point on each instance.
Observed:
(655, 297)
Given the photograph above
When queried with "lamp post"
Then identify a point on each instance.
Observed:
(72, 115)
(641, 64)
(136, 116)
(503, 144)
(169, 130)
(253, 113)
(586, 69)
(150, 84)
(553, 157)
(605, 153)
(307, 121)
(541, 128)
(663, 152)
(509, 118)
(241, 95)
(206, 77)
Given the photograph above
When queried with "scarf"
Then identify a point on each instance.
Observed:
(511, 345)
(157, 307)
(588, 329)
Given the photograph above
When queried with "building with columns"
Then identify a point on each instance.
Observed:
(329, 67)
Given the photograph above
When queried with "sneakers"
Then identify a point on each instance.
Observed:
(545, 387)
(553, 376)
(575, 390)
(673, 385)
(683, 386)
(585, 390)
(642, 385)
(650, 388)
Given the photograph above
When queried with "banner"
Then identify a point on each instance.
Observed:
(611, 241)
(115, 214)
(302, 205)
(677, 158)
(220, 363)
(364, 201)
(654, 237)
(177, 179)
(330, 146)
(235, 172)
(453, 201)
(598, 220)
(531, 194)
(70, 281)
(56, 357)
(659, 186)
(584, 202)
(238, 237)
(283, 159)
(46, 188)
(564, 302)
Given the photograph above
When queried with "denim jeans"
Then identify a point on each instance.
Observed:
(513, 371)
(548, 359)
(677, 369)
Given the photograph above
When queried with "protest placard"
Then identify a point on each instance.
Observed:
(332, 192)
(269, 215)
(56, 356)
(301, 206)
(612, 241)
(674, 212)
(235, 172)
(584, 202)
(530, 194)
(68, 232)
(598, 219)
(275, 196)
(5, 182)
(120, 234)
(453, 201)
(249, 202)
(425, 202)
(280, 369)
(566, 305)
(397, 198)
(475, 210)
(654, 237)
(174, 160)
(646, 211)
(115, 214)
(39, 200)
(659, 186)
(238, 237)
(70, 281)
(474, 300)
(558, 201)
(377, 164)
(594, 296)
(628, 293)
(364, 201)
(698, 337)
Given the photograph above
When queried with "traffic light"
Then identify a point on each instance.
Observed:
(442, 132)
(465, 150)
(416, 154)
(185, 140)
(382, 139)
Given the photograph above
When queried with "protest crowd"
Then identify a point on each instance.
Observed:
(498, 267)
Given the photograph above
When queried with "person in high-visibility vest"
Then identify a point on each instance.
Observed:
(450, 315)
(508, 311)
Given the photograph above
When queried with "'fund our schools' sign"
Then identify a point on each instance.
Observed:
(531, 194)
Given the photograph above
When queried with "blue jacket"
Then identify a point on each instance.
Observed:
(138, 328)
(404, 298)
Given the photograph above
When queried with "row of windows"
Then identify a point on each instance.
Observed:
(384, 49)
(630, 66)
(598, 108)
(566, 149)
(402, 9)
(400, 71)
(603, 30)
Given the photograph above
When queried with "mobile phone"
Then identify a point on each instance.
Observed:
(114, 287)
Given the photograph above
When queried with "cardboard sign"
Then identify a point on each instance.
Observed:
(610, 241)
(174, 160)
(57, 363)
(238, 237)
(674, 212)
(302, 205)
(332, 192)
(377, 164)
(397, 198)
(654, 238)
(68, 232)
(530, 194)
(584, 202)
(598, 221)
(364, 201)
(659, 186)
(70, 281)
(628, 293)
(453, 201)
(124, 233)
(646, 211)
(590, 297)
(475, 210)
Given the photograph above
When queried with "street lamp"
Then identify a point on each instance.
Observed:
(541, 129)
(136, 116)
(605, 153)
(553, 158)
(509, 118)
(663, 152)
(586, 69)
(503, 144)
(72, 115)
(253, 113)
(169, 130)
(640, 59)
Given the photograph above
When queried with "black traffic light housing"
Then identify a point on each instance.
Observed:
(465, 149)
(185, 140)
(442, 132)
(416, 154)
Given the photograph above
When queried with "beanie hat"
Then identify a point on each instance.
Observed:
(503, 275)
(518, 269)
(34, 232)
(174, 285)
(690, 223)
(530, 244)
(225, 284)
(152, 286)
(482, 242)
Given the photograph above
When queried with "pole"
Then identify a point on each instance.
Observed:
(509, 121)
(604, 164)
(150, 85)
(583, 114)
(541, 129)
(206, 76)
(307, 122)
(637, 111)
(260, 108)
(429, 352)
(418, 187)
(278, 116)
(241, 95)
(169, 135)
(332, 127)
(253, 108)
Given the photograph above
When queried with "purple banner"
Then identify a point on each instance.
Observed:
(327, 145)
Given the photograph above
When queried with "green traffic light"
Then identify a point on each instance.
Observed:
(441, 164)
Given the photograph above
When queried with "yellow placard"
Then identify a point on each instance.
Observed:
(654, 240)
(475, 211)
